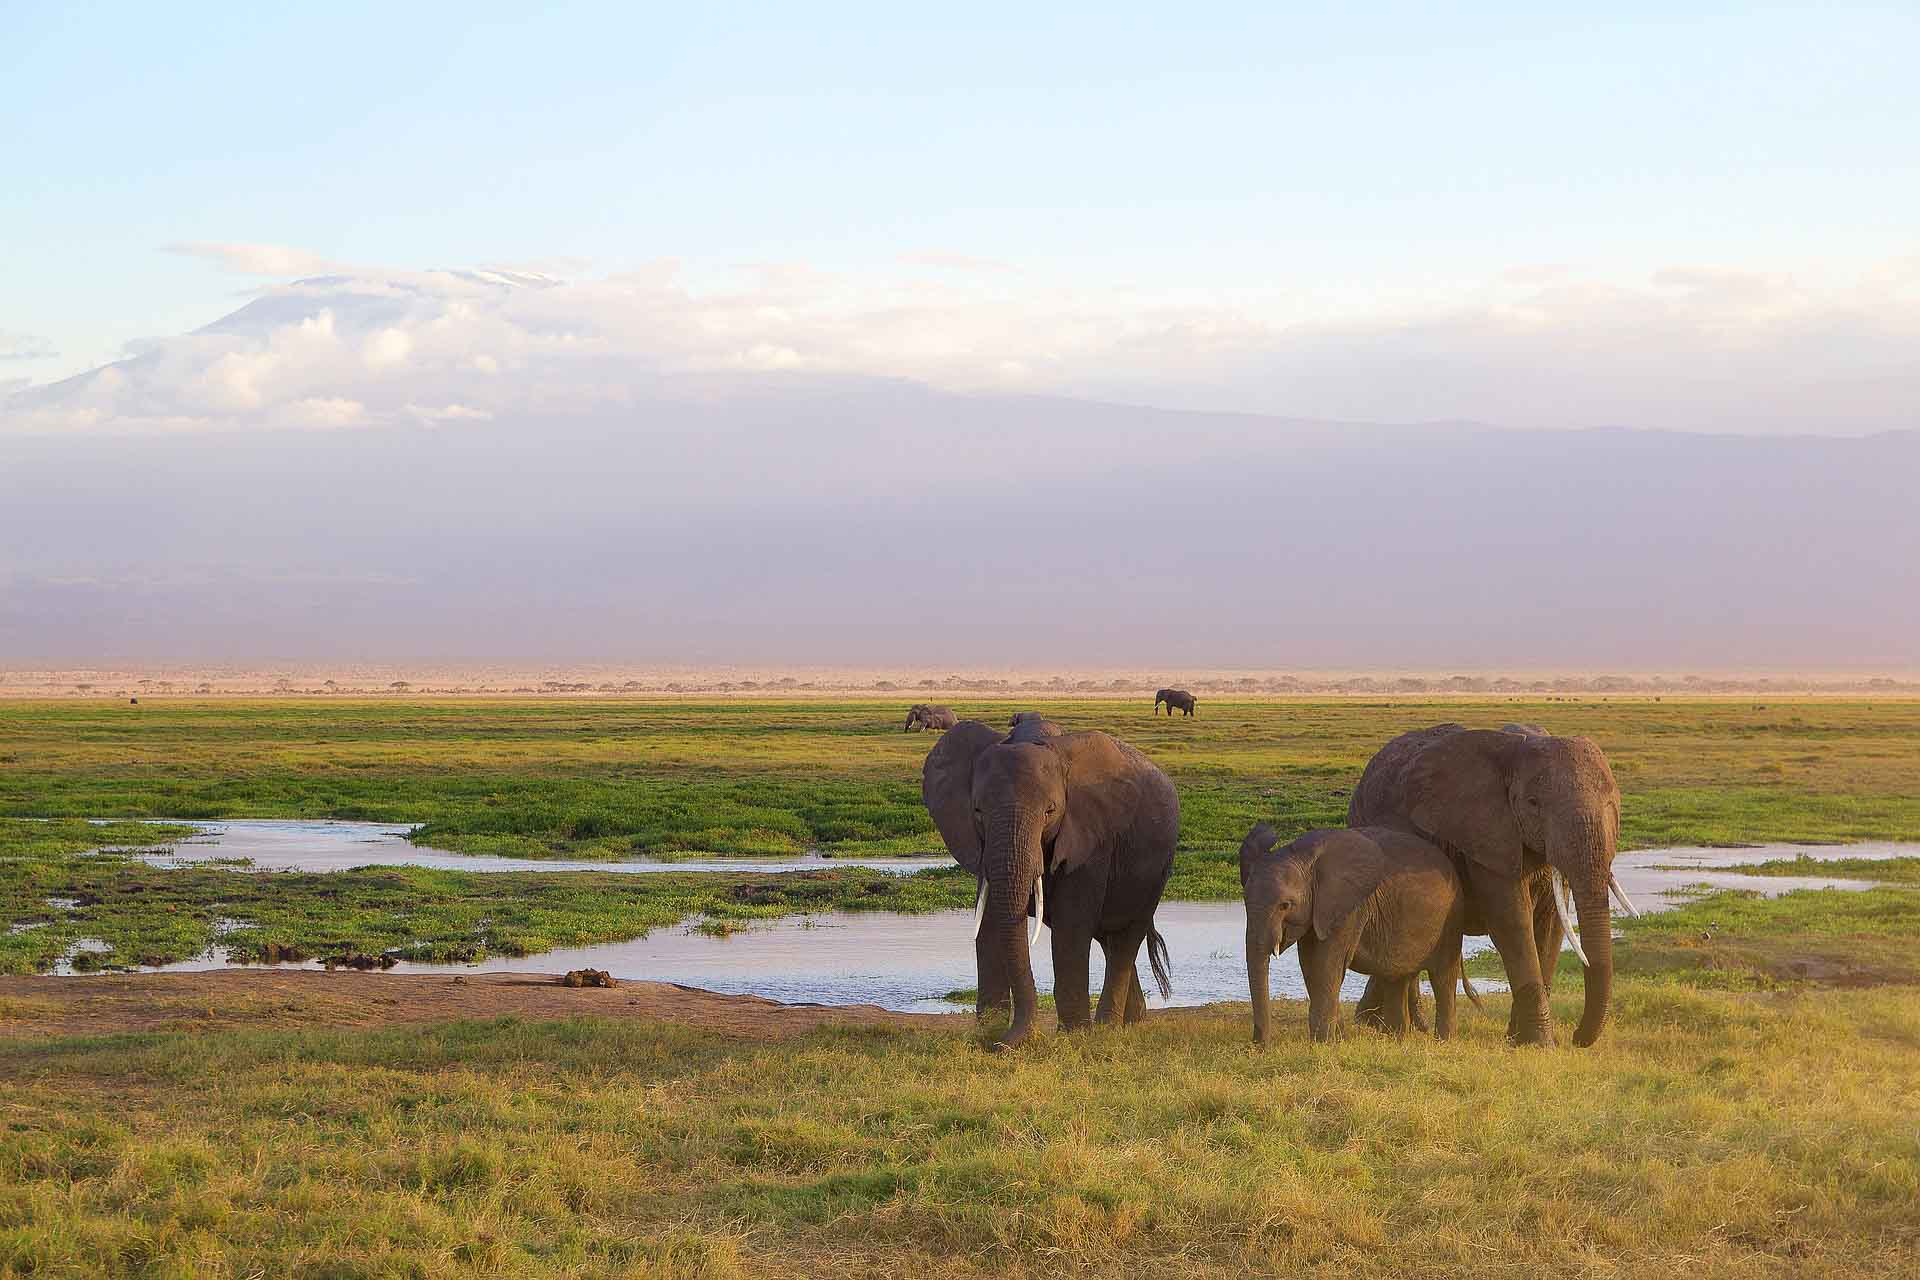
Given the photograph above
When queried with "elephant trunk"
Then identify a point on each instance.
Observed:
(1587, 874)
(1013, 868)
(1596, 933)
(1259, 955)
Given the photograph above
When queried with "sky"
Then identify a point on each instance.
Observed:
(1012, 333)
(1694, 217)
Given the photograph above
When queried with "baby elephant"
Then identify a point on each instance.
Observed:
(1373, 899)
(922, 716)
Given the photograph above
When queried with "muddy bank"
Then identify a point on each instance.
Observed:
(38, 1007)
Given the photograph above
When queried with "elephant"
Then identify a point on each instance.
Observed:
(1030, 726)
(922, 716)
(1179, 698)
(1376, 899)
(1074, 829)
(1523, 814)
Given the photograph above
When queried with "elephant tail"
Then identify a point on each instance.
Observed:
(1157, 957)
(1466, 984)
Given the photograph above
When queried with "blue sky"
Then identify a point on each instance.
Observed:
(1366, 163)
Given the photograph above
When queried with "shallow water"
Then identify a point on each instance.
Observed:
(900, 961)
(1653, 878)
(273, 844)
(892, 960)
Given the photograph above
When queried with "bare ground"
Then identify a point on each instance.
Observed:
(40, 1007)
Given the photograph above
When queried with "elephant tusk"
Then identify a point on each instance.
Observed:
(1566, 925)
(1039, 908)
(1613, 887)
(980, 909)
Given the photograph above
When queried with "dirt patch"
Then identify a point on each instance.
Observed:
(1827, 971)
(36, 1007)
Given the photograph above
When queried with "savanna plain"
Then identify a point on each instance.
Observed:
(1753, 1108)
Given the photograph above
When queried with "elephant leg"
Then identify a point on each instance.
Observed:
(1507, 908)
(1108, 996)
(1445, 975)
(1416, 1017)
(1547, 932)
(1105, 1011)
(1121, 989)
(1323, 965)
(1393, 1008)
(1071, 952)
(995, 991)
(1371, 1011)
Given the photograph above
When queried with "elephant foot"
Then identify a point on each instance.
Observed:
(1008, 1042)
(1531, 1022)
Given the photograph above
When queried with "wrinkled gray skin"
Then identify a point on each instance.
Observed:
(1511, 806)
(922, 716)
(1089, 818)
(1031, 726)
(1174, 698)
(1376, 900)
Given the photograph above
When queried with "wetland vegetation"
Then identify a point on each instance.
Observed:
(615, 778)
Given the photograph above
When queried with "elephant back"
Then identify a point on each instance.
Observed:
(1380, 799)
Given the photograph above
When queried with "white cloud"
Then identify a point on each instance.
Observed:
(318, 411)
(1688, 347)
(955, 261)
(448, 413)
(25, 346)
(387, 349)
(257, 259)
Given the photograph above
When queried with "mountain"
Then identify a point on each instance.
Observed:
(787, 518)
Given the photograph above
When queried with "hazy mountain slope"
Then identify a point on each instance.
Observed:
(853, 520)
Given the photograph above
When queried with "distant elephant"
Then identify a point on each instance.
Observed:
(1376, 900)
(1030, 726)
(922, 716)
(1074, 829)
(1522, 814)
(1179, 698)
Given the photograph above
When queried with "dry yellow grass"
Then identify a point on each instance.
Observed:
(1715, 1133)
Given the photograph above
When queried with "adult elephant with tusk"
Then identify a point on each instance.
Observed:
(1533, 821)
(1073, 829)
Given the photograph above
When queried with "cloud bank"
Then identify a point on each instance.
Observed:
(1690, 348)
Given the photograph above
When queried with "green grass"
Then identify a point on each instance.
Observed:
(1738, 940)
(147, 915)
(614, 778)
(1884, 870)
(1710, 1133)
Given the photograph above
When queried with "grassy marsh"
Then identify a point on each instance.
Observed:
(617, 778)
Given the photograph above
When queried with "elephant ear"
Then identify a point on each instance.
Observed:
(1104, 788)
(946, 784)
(1456, 795)
(1347, 868)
